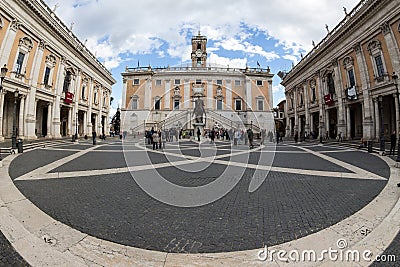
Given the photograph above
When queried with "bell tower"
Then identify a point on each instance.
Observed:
(199, 51)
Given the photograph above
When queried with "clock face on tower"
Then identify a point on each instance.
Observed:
(199, 53)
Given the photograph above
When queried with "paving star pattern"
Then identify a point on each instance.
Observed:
(305, 189)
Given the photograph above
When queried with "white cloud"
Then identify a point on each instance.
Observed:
(278, 89)
(224, 61)
(141, 27)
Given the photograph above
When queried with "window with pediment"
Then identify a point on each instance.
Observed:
(50, 63)
(378, 62)
(348, 64)
(134, 102)
(25, 46)
(313, 91)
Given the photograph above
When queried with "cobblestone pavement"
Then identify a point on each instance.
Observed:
(302, 194)
(8, 255)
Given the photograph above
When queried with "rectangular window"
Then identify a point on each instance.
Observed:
(259, 82)
(83, 96)
(219, 104)
(237, 82)
(134, 104)
(158, 82)
(219, 82)
(136, 81)
(20, 62)
(260, 104)
(46, 76)
(379, 66)
(67, 81)
(176, 104)
(157, 104)
(352, 80)
(198, 81)
(177, 81)
(331, 84)
(238, 104)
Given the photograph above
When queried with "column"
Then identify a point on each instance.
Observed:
(368, 121)
(2, 96)
(38, 59)
(377, 119)
(124, 90)
(89, 112)
(69, 127)
(392, 47)
(49, 120)
(186, 94)
(327, 122)
(348, 123)
(296, 122)
(248, 94)
(210, 95)
(101, 94)
(311, 122)
(56, 118)
(339, 93)
(228, 100)
(270, 95)
(307, 112)
(319, 82)
(396, 106)
(8, 42)
(167, 95)
(148, 96)
(84, 124)
(21, 116)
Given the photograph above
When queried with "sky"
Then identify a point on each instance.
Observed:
(158, 33)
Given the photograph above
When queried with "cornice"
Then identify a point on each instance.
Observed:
(49, 20)
(343, 30)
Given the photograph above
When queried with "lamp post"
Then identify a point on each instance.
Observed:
(320, 129)
(395, 77)
(2, 76)
(381, 135)
(14, 132)
(76, 128)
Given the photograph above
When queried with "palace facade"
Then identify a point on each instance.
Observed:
(54, 83)
(165, 97)
(348, 83)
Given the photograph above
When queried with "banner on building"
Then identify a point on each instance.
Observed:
(352, 93)
(68, 97)
(329, 99)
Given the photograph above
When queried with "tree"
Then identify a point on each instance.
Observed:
(116, 122)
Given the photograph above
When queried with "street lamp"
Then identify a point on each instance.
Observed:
(381, 135)
(395, 77)
(2, 76)
(14, 132)
(76, 130)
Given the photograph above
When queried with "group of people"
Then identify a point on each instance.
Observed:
(156, 138)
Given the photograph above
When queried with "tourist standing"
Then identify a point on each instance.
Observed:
(393, 143)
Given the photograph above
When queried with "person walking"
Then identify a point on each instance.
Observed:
(393, 143)
(212, 136)
(250, 135)
(155, 140)
(277, 137)
(296, 137)
(94, 137)
(198, 134)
